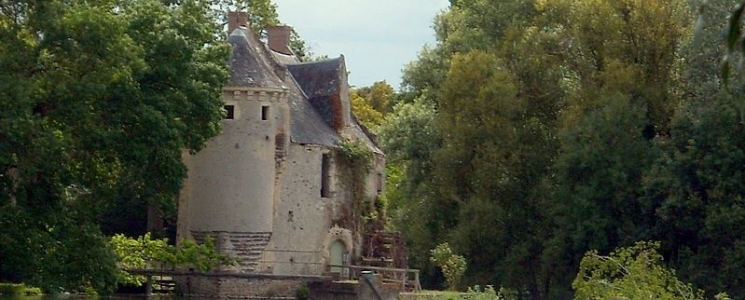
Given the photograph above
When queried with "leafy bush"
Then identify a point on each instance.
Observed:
(145, 252)
(11, 289)
(635, 272)
(59, 252)
(453, 265)
(18, 289)
(302, 293)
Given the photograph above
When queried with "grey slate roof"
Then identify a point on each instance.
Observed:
(285, 59)
(252, 64)
(312, 88)
(249, 63)
(320, 81)
(306, 124)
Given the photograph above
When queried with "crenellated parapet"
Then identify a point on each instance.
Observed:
(257, 94)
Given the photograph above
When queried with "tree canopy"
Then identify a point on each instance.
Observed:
(98, 100)
(535, 131)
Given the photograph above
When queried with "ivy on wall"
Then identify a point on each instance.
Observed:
(355, 159)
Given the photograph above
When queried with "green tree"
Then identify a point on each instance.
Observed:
(98, 98)
(628, 47)
(496, 151)
(694, 181)
(494, 86)
(566, 126)
(598, 177)
(380, 96)
(636, 272)
(703, 55)
(408, 136)
(465, 26)
(261, 13)
(621, 89)
(697, 189)
(365, 113)
(734, 41)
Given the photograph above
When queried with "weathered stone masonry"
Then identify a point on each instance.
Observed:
(268, 188)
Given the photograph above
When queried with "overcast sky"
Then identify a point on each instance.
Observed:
(376, 37)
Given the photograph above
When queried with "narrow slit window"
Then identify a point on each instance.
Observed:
(379, 183)
(325, 174)
(265, 112)
(229, 112)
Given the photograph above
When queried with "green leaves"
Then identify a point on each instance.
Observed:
(145, 253)
(56, 251)
(696, 188)
(453, 266)
(636, 272)
(365, 113)
(98, 98)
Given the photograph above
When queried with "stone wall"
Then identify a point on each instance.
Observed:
(354, 290)
(333, 290)
(231, 183)
(239, 287)
(228, 286)
(302, 215)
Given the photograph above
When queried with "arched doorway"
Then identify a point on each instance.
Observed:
(337, 256)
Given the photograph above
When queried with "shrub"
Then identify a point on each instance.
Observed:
(453, 265)
(18, 289)
(11, 289)
(303, 292)
(144, 252)
(630, 273)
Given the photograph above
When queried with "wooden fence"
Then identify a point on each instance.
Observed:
(408, 278)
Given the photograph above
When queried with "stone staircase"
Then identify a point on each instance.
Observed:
(245, 247)
(385, 249)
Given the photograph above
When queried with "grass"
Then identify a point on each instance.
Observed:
(473, 293)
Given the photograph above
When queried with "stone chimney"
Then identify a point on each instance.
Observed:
(236, 19)
(279, 38)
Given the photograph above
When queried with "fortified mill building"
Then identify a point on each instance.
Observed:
(273, 188)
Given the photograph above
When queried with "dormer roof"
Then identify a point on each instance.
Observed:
(323, 83)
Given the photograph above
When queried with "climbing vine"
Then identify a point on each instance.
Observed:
(357, 159)
(357, 154)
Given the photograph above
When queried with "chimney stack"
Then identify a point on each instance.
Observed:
(236, 19)
(279, 38)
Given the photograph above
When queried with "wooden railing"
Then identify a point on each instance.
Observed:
(393, 275)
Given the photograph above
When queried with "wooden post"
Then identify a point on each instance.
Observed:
(149, 285)
(418, 286)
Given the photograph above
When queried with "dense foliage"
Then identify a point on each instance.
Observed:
(452, 265)
(98, 99)
(634, 272)
(145, 252)
(532, 132)
(370, 104)
(535, 131)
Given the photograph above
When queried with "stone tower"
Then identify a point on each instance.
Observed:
(273, 187)
(235, 176)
